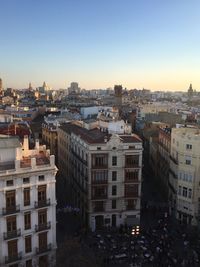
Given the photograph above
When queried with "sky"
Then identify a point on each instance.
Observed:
(153, 44)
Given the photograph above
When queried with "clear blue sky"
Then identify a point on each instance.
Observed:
(98, 43)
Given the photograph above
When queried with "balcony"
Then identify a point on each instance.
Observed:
(94, 197)
(12, 234)
(131, 166)
(43, 249)
(131, 194)
(131, 181)
(103, 181)
(42, 203)
(13, 258)
(102, 166)
(42, 227)
(11, 210)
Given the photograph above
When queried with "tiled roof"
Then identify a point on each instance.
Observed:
(95, 135)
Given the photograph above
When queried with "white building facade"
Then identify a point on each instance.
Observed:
(184, 174)
(28, 205)
(105, 175)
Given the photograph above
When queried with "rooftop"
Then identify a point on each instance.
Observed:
(95, 136)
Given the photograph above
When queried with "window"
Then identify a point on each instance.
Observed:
(114, 161)
(41, 178)
(29, 263)
(26, 180)
(131, 204)
(184, 192)
(27, 220)
(188, 146)
(11, 224)
(10, 200)
(42, 216)
(190, 178)
(12, 248)
(99, 160)
(132, 161)
(188, 161)
(114, 204)
(28, 244)
(9, 183)
(114, 190)
(131, 175)
(189, 193)
(131, 190)
(41, 193)
(42, 240)
(98, 148)
(26, 196)
(114, 176)
(99, 176)
(99, 192)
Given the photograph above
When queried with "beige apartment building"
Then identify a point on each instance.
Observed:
(184, 174)
(103, 172)
(28, 204)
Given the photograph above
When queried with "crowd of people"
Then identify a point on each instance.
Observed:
(162, 245)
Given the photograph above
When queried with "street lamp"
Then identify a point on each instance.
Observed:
(135, 230)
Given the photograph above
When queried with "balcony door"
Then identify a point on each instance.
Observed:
(42, 240)
(11, 224)
(41, 193)
(12, 248)
(42, 217)
(10, 200)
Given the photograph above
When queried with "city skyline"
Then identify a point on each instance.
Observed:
(134, 43)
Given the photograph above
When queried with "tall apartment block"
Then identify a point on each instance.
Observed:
(184, 174)
(103, 172)
(27, 204)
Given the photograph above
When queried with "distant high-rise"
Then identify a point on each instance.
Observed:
(118, 95)
(74, 88)
(30, 86)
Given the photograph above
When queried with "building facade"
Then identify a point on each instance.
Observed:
(49, 137)
(104, 174)
(28, 204)
(184, 175)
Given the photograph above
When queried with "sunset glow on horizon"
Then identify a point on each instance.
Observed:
(148, 44)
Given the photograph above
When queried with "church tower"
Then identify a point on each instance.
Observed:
(190, 91)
